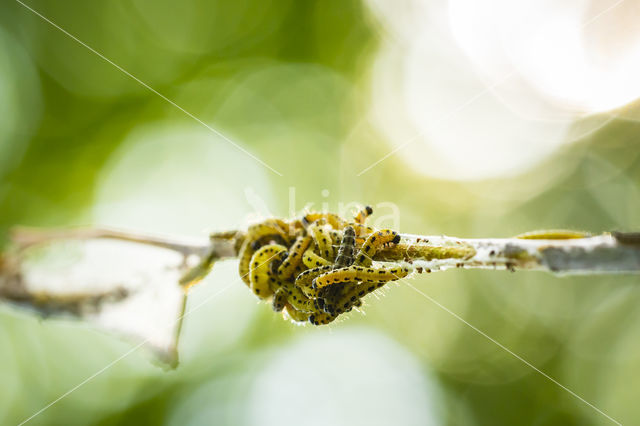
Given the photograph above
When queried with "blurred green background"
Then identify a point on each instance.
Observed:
(290, 82)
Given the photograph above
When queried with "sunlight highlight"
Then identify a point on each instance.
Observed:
(469, 91)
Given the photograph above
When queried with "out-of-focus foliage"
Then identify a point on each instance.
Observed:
(291, 82)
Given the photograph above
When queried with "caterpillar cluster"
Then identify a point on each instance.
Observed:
(316, 267)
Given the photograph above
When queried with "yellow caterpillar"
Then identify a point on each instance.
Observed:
(358, 273)
(292, 296)
(373, 243)
(363, 214)
(321, 318)
(362, 231)
(336, 236)
(279, 300)
(553, 234)
(312, 260)
(292, 261)
(270, 228)
(246, 252)
(323, 239)
(297, 299)
(261, 278)
(332, 219)
(305, 279)
(296, 315)
(310, 267)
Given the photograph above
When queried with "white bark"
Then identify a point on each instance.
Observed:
(602, 254)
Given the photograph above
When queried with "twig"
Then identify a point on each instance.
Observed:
(602, 254)
(606, 253)
(24, 237)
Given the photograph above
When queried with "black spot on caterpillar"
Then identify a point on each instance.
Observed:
(279, 300)
(363, 214)
(260, 270)
(332, 219)
(312, 260)
(294, 258)
(358, 273)
(373, 243)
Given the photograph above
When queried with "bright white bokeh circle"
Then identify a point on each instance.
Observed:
(470, 90)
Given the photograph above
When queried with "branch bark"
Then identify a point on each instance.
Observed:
(602, 254)
(607, 253)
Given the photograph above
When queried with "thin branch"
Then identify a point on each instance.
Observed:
(602, 254)
(606, 253)
(53, 293)
(24, 237)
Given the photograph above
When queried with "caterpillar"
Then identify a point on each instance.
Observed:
(292, 262)
(260, 273)
(359, 273)
(373, 243)
(330, 295)
(311, 267)
(247, 250)
(305, 279)
(352, 297)
(362, 231)
(553, 234)
(344, 259)
(362, 215)
(312, 260)
(321, 318)
(296, 315)
(271, 228)
(347, 247)
(316, 293)
(245, 254)
(279, 300)
(297, 299)
(268, 227)
(291, 227)
(336, 237)
(323, 239)
(332, 219)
